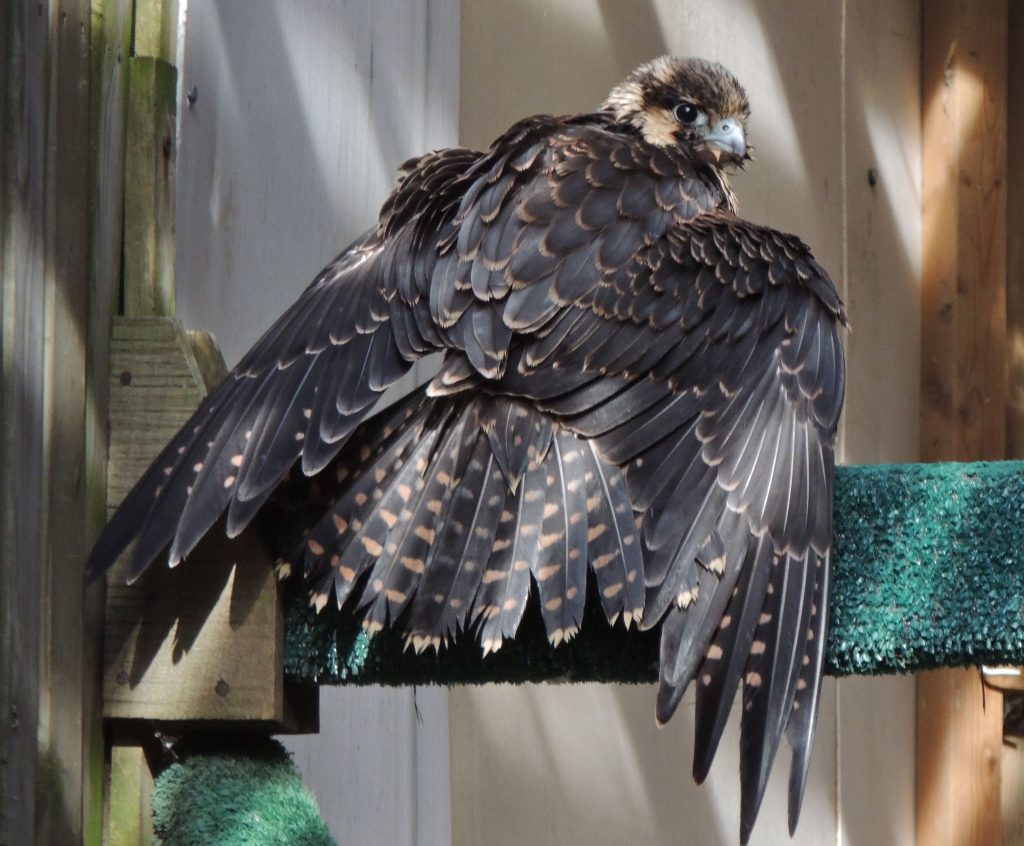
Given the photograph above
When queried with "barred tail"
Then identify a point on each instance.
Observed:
(443, 510)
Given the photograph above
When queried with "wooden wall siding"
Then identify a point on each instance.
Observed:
(49, 750)
(835, 90)
(964, 216)
(149, 161)
(964, 372)
(301, 112)
(1015, 243)
(1012, 773)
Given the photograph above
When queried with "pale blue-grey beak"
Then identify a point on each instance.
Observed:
(727, 138)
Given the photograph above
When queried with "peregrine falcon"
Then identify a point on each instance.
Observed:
(638, 387)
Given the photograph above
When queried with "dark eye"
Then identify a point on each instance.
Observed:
(686, 113)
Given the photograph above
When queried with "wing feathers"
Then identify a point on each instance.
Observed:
(636, 383)
(724, 661)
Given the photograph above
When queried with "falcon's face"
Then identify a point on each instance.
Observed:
(688, 102)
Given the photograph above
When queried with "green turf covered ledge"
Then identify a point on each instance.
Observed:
(234, 789)
(929, 572)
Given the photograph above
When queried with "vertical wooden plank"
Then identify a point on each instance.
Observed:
(1012, 794)
(49, 756)
(1013, 753)
(26, 65)
(1015, 245)
(130, 816)
(111, 28)
(959, 737)
(149, 188)
(111, 49)
(964, 355)
(70, 649)
(156, 29)
(963, 319)
(882, 133)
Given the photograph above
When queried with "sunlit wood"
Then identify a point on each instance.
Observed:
(964, 361)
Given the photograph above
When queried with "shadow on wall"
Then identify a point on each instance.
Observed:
(291, 146)
(878, 270)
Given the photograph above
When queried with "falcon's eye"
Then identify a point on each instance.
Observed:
(686, 113)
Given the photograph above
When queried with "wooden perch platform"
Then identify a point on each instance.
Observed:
(929, 572)
(202, 644)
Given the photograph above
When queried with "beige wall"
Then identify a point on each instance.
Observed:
(834, 88)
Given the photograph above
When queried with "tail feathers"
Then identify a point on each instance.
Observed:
(772, 677)
(519, 435)
(350, 534)
(613, 544)
(560, 562)
(439, 527)
(442, 605)
(404, 522)
(804, 716)
(505, 582)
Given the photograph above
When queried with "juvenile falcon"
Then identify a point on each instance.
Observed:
(636, 383)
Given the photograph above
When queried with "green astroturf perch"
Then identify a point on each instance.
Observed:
(238, 790)
(929, 573)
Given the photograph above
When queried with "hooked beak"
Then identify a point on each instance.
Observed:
(725, 139)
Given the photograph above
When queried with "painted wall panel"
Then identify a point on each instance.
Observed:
(882, 292)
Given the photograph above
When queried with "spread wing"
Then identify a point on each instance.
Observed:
(631, 367)
(700, 354)
(305, 385)
(448, 267)
(709, 369)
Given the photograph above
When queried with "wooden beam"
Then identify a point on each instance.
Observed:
(24, 43)
(1013, 750)
(1015, 245)
(963, 321)
(208, 648)
(964, 367)
(156, 29)
(959, 744)
(50, 758)
(130, 809)
(149, 169)
(70, 797)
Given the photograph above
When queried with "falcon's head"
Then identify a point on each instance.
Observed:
(690, 102)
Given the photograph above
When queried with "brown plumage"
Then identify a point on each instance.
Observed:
(636, 383)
